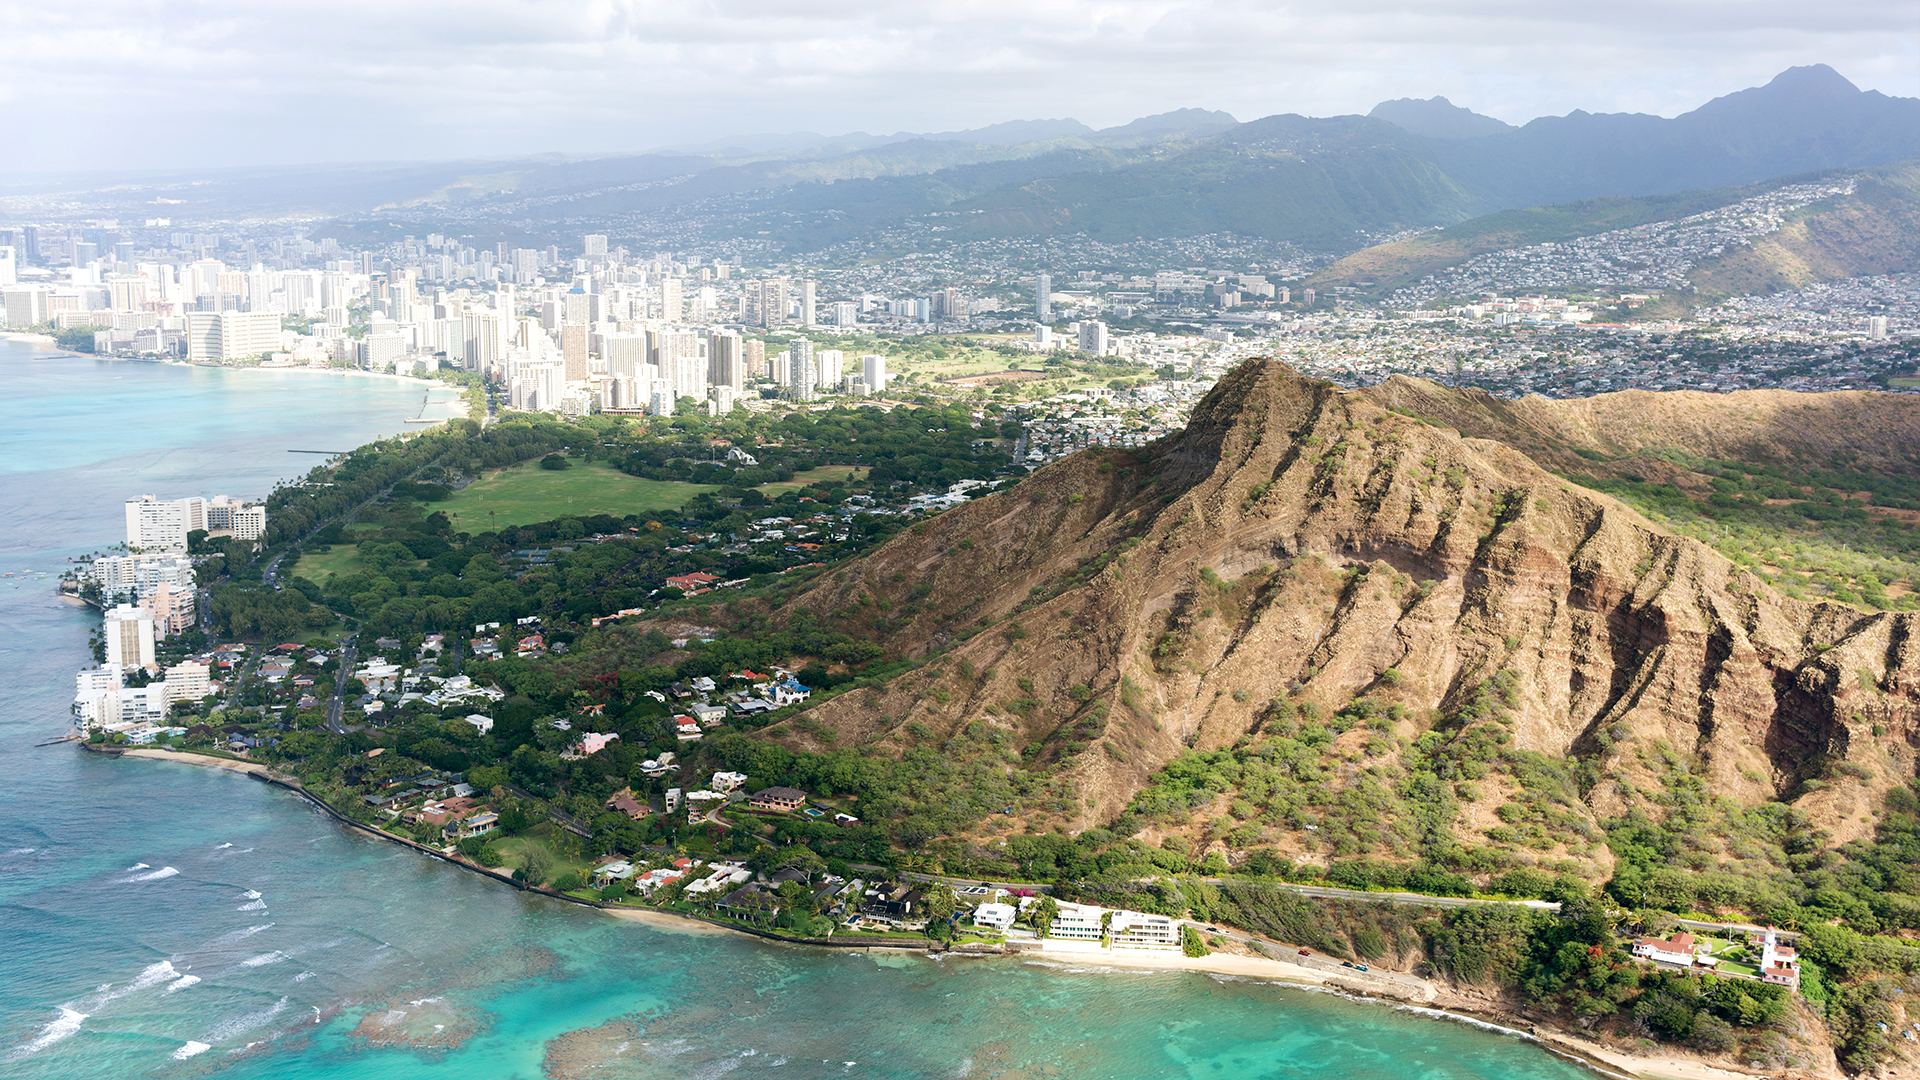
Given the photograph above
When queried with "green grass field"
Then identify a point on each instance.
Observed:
(527, 493)
(813, 476)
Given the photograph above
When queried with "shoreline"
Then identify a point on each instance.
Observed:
(1437, 1003)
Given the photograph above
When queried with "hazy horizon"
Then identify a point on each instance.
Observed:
(112, 86)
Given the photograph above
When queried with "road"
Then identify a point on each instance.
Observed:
(1328, 892)
(337, 705)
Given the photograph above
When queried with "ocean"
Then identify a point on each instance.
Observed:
(170, 921)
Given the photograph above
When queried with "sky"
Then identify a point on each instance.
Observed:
(132, 84)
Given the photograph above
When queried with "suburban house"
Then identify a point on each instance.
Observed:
(625, 803)
(606, 875)
(788, 692)
(590, 744)
(727, 781)
(707, 714)
(1678, 949)
(994, 916)
(479, 824)
(687, 583)
(687, 728)
(750, 901)
(783, 799)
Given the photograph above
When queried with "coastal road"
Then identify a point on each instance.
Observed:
(337, 705)
(1328, 892)
(958, 883)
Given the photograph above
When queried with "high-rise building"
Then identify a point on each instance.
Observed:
(807, 289)
(801, 374)
(26, 305)
(526, 265)
(772, 302)
(827, 371)
(232, 335)
(873, 372)
(1043, 298)
(129, 633)
(753, 357)
(726, 363)
(9, 265)
(1306, 296)
(672, 305)
(681, 357)
(1093, 338)
(846, 313)
(483, 340)
(628, 357)
(1876, 328)
(573, 351)
(155, 524)
(575, 307)
(595, 247)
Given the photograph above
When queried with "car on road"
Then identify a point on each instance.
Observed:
(1361, 967)
(1306, 952)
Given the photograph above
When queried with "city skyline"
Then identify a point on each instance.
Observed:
(355, 82)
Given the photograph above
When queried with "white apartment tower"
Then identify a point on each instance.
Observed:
(873, 372)
(129, 631)
(801, 375)
(1043, 298)
(807, 289)
(1093, 338)
(157, 524)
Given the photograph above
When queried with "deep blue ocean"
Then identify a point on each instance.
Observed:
(163, 920)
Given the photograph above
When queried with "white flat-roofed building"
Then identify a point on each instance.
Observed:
(994, 916)
(163, 524)
(118, 575)
(1077, 922)
(188, 681)
(244, 520)
(129, 633)
(1142, 930)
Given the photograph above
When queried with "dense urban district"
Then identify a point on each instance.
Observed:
(561, 639)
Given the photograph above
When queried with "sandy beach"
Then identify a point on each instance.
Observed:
(1248, 967)
(201, 760)
(662, 920)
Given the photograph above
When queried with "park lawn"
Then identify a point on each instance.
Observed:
(318, 563)
(527, 493)
(511, 847)
(819, 474)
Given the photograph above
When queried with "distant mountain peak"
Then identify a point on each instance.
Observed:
(1188, 122)
(1438, 118)
(1813, 78)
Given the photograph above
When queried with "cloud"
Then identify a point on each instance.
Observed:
(129, 83)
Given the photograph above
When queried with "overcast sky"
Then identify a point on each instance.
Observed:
(146, 83)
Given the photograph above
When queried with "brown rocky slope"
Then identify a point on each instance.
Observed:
(1302, 543)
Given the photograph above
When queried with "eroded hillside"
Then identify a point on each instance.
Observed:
(1384, 601)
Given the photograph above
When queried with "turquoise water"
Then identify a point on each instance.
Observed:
(162, 920)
